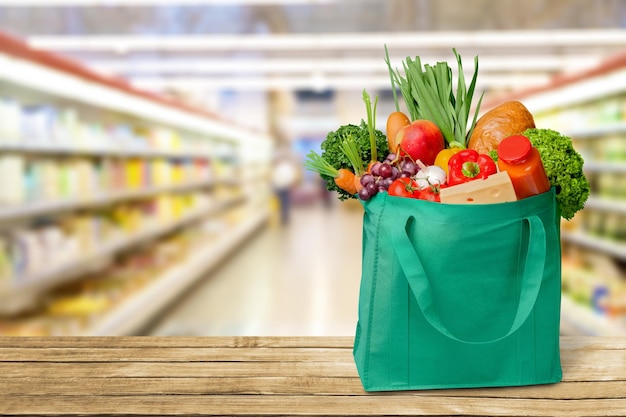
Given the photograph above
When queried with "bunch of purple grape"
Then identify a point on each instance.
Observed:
(382, 174)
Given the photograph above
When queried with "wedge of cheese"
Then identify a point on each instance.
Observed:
(496, 188)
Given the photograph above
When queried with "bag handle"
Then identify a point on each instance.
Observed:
(531, 278)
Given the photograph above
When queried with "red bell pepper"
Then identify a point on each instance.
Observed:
(469, 165)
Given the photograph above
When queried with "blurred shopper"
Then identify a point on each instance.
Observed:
(284, 178)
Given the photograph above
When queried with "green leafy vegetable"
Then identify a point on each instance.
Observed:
(371, 122)
(351, 150)
(428, 94)
(393, 80)
(564, 167)
(318, 164)
(333, 152)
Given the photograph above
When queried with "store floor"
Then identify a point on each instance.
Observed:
(296, 280)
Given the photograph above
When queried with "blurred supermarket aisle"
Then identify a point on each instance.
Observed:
(129, 169)
(300, 279)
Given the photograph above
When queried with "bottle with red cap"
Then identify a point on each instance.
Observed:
(522, 162)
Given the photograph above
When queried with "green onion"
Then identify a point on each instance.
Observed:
(427, 93)
(351, 150)
(392, 79)
(371, 122)
(316, 163)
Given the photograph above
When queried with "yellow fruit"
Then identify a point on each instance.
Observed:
(444, 156)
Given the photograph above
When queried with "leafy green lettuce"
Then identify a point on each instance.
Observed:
(564, 167)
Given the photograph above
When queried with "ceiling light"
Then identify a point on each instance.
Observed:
(417, 41)
(316, 82)
(552, 63)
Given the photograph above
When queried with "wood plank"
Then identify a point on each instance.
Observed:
(270, 376)
(9, 370)
(567, 342)
(585, 365)
(607, 368)
(305, 405)
(177, 354)
(285, 386)
(90, 342)
(578, 366)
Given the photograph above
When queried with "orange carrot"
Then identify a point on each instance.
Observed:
(357, 183)
(345, 180)
(395, 122)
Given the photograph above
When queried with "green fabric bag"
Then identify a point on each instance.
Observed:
(459, 296)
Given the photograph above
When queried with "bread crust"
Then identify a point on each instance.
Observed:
(509, 118)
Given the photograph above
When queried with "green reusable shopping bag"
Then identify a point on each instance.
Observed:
(457, 296)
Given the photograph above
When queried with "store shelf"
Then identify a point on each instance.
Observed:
(599, 130)
(583, 320)
(118, 152)
(613, 248)
(9, 214)
(607, 204)
(56, 110)
(613, 167)
(582, 88)
(80, 84)
(136, 312)
(24, 292)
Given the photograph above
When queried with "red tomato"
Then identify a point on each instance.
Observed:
(430, 193)
(403, 187)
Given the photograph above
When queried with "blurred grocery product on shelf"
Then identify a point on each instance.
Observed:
(102, 302)
(110, 210)
(590, 107)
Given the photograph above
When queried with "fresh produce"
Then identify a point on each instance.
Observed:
(437, 151)
(346, 180)
(444, 156)
(507, 119)
(430, 193)
(397, 119)
(410, 188)
(428, 95)
(395, 122)
(469, 165)
(430, 175)
(404, 187)
(333, 153)
(421, 140)
(564, 167)
(351, 151)
(342, 178)
(379, 177)
(371, 124)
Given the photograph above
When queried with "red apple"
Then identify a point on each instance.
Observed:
(421, 140)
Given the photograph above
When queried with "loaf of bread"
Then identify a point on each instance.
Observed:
(509, 118)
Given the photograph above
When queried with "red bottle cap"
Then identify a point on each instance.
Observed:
(514, 149)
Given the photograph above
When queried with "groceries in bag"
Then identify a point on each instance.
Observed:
(439, 132)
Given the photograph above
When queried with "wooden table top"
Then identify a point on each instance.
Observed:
(273, 376)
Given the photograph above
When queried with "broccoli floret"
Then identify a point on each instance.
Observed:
(334, 154)
(564, 167)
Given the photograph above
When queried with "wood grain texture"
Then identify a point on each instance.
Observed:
(144, 376)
